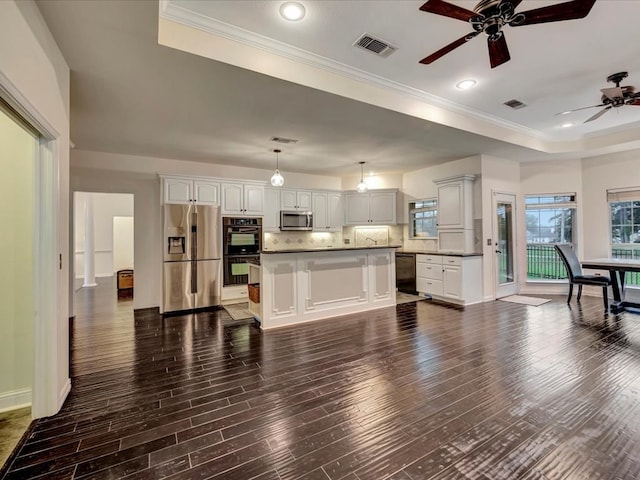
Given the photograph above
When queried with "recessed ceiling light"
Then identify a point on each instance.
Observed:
(466, 84)
(566, 125)
(292, 11)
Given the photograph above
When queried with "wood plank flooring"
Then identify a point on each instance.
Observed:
(417, 391)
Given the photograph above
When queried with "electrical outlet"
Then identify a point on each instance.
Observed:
(347, 241)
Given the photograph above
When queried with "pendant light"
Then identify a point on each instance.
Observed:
(277, 180)
(362, 187)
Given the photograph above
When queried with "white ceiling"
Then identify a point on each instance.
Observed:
(132, 95)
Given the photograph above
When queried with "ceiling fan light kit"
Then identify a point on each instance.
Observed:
(490, 16)
(613, 97)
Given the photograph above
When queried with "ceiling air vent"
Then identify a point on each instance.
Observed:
(283, 140)
(375, 45)
(515, 104)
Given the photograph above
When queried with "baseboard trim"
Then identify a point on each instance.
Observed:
(15, 399)
(64, 393)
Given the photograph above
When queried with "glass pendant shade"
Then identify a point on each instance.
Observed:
(277, 180)
(362, 187)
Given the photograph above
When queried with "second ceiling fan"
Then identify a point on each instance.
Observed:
(490, 16)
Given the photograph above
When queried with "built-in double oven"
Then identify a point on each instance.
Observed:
(241, 243)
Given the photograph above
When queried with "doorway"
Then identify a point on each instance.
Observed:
(19, 145)
(504, 234)
(103, 248)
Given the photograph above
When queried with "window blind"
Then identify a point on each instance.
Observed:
(627, 195)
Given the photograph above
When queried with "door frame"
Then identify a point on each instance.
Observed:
(513, 287)
(48, 264)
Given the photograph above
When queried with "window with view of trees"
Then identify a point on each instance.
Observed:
(422, 218)
(550, 219)
(624, 207)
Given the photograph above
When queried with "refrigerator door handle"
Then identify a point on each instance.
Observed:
(194, 277)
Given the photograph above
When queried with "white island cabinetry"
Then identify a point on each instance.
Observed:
(306, 285)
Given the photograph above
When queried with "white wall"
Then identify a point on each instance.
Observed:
(17, 163)
(106, 206)
(34, 75)
(619, 170)
(122, 243)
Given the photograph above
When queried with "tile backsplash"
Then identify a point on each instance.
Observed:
(304, 240)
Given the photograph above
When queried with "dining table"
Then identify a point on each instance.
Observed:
(617, 268)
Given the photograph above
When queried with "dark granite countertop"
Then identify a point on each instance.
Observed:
(328, 249)
(447, 254)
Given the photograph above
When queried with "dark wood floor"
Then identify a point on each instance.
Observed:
(421, 390)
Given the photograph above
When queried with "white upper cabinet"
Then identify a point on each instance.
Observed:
(271, 219)
(455, 214)
(327, 212)
(242, 199)
(374, 207)
(455, 202)
(295, 200)
(189, 190)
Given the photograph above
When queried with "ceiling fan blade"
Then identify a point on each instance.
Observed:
(498, 51)
(571, 10)
(578, 109)
(446, 9)
(597, 115)
(612, 93)
(444, 50)
(635, 101)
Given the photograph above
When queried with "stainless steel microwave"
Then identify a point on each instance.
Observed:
(296, 220)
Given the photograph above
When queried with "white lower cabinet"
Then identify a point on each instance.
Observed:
(451, 278)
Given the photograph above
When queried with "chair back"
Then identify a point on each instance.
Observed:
(570, 260)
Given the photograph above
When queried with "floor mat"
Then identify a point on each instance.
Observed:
(238, 311)
(402, 297)
(533, 301)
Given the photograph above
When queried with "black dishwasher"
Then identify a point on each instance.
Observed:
(406, 272)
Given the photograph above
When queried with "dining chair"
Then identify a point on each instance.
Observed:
(576, 277)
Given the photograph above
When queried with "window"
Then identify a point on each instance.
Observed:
(550, 219)
(624, 208)
(422, 218)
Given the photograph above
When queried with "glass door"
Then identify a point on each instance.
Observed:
(504, 234)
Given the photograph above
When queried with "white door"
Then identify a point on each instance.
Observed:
(232, 198)
(504, 242)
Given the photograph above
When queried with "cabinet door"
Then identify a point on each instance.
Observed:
(288, 200)
(271, 220)
(304, 200)
(335, 212)
(450, 204)
(356, 208)
(232, 198)
(177, 190)
(206, 193)
(382, 208)
(320, 210)
(253, 200)
(452, 281)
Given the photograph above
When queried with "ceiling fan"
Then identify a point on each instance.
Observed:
(613, 97)
(490, 16)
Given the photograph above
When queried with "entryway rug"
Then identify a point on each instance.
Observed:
(533, 301)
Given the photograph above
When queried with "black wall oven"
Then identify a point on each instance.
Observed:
(241, 243)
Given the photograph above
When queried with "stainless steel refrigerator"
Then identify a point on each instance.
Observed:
(192, 257)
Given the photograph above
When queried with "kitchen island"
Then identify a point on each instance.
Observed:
(311, 284)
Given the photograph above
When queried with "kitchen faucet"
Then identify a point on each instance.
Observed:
(375, 242)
